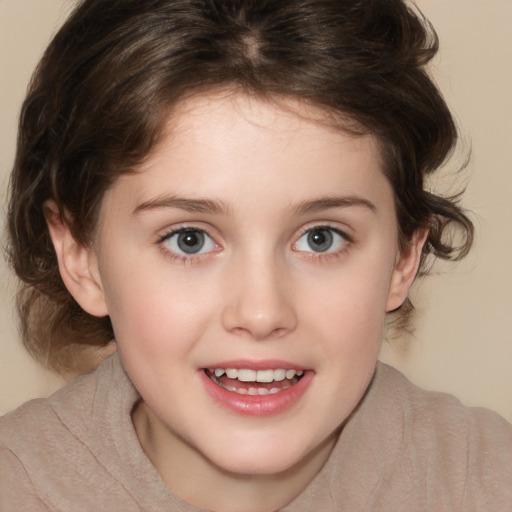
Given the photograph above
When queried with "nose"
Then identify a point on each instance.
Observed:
(258, 301)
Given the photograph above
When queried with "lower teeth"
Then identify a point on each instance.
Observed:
(252, 391)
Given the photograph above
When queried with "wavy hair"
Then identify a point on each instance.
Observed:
(100, 96)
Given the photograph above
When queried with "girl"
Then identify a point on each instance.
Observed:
(233, 191)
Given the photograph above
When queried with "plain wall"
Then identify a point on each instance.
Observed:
(463, 341)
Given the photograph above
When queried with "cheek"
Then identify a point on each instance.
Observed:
(354, 297)
(149, 308)
(347, 312)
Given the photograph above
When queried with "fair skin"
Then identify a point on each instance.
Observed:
(253, 238)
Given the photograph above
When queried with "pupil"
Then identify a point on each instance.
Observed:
(320, 240)
(191, 242)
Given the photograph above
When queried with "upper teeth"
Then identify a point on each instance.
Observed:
(245, 375)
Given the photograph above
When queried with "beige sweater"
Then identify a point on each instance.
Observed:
(404, 450)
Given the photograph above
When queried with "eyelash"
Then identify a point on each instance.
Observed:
(193, 258)
(183, 258)
(326, 256)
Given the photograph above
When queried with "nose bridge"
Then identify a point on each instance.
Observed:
(258, 299)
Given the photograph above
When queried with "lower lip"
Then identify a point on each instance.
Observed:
(257, 405)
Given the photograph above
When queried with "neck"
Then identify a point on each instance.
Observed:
(200, 482)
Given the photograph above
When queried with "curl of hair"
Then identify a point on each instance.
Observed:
(103, 90)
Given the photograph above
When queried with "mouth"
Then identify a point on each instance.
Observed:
(254, 382)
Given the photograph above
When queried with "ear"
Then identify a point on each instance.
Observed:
(78, 264)
(405, 270)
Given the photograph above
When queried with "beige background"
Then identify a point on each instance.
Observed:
(463, 340)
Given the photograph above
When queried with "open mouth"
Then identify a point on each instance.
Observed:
(254, 382)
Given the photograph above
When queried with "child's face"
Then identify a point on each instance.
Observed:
(253, 239)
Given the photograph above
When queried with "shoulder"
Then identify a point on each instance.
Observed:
(39, 435)
(15, 482)
(406, 449)
(439, 416)
(33, 443)
(59, 447)
(36, 423)
(461, 451)
(49, 420)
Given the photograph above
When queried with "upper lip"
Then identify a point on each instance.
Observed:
(266, 364)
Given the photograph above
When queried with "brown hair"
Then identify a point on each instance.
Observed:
(103, 89)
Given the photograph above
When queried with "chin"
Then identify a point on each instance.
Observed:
(258, 467)
(262, 460)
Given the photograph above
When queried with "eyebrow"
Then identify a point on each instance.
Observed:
(218, 207)
(326, 203)
(183, 203)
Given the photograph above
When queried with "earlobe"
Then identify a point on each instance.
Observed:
(77, 264)
(405, 270)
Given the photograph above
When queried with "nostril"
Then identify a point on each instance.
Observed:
(246, 321)
(259, 333)
(280, 332)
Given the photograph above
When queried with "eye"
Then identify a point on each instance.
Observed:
(189, 242)
(320, 239)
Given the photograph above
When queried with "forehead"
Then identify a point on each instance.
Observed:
(230, 145)
(282, 117)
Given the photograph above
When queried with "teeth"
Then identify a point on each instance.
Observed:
(232, 373)
(253, 390)
(245, 375)
(279, 375)
(265, 376)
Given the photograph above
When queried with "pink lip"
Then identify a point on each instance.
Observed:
(259, 405)
(265, 364)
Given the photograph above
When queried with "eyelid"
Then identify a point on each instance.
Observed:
(191, 257)
(347, 239)
(181, 256)
(325, 225)
(166, 233)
